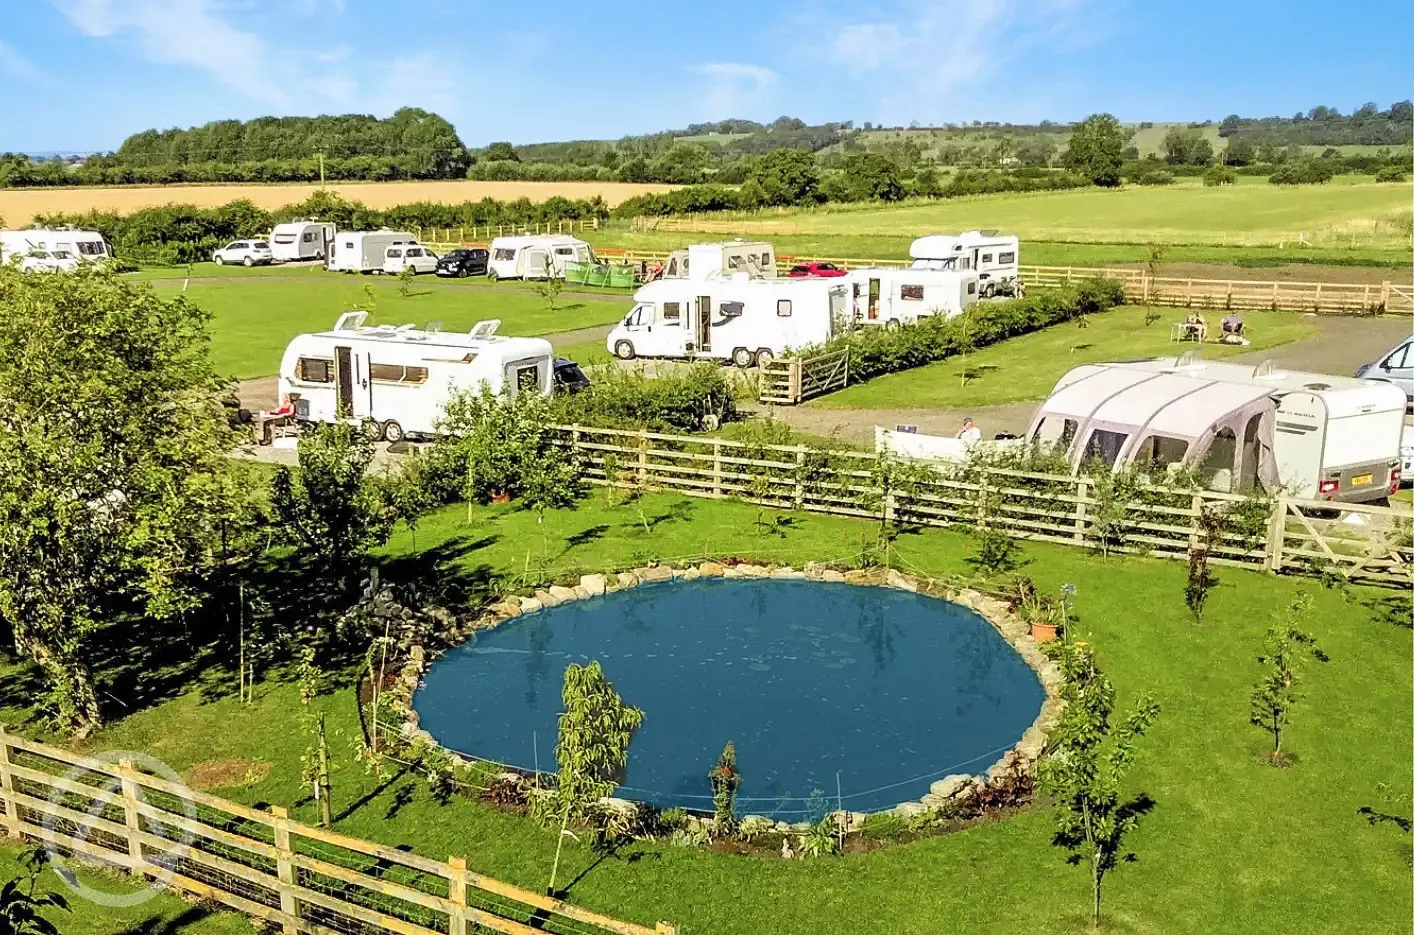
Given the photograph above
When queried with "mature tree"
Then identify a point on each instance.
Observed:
(870, 176)
(787, 177)
(681, 164)
(1239, 152)
(116, 492)
(1089, 757)
(1094, 149)
(500, 151)
(1285, 652)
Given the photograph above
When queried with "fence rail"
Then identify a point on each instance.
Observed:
(1293, 535)
(300, 878)
(456, 236)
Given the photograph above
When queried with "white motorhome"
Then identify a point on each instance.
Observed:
(728, 257)
(60, 246)
(1337, 438)
(892, 297)
(364, 251)
(301, 240)
(741, 318)
(994, 258)
(536, 256)
(401, 377)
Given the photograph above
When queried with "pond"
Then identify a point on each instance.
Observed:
(834, 693)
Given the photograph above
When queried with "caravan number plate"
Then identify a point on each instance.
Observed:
(1361, 480)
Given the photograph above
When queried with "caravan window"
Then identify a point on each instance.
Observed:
(731, 309)
(912, 293)
(528, 378)
(504, 254)
(307, 237)
(1006, 258)
(733, 262)
(91, 248)
(672, 313)
(783, 308)
(286, 238)
(564, 251)
(986, 258)
(1157, 452)
(397, 373)
(1104, 446)
(972, 287)
(1055, 431)
(315, 370)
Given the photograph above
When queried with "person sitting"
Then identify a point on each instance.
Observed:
(266, 422)
(1232, 330)
(1195, 327)
(969, 432)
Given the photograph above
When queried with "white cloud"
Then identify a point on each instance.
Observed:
(734, 89)
(16, 65)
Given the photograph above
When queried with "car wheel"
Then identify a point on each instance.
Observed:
(392, 432)
(623, 350)
(248, 262)
(764, 357)
(742, 357)
(220, 261)
(989, 290)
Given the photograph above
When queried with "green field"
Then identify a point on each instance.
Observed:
(1028, 366)
(1232, 844)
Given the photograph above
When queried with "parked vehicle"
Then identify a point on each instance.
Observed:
(569, 376)
(725, 258)
(401, 377)
(536, 256)
(1395, 367)
(364, 251)
(245, 253)
(994, 258)
(892, 297)
(57, 261)
(409, 256)
(813, 268)
(301, 240)
(61, 245)
(464, 261)
(738, 318)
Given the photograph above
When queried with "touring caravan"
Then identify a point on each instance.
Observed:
(301, 240)
(63, 248)
(364, 251)
(994, 258)
(728, 257)
(892, 297)
(741, 318)
(536, 256)
(401, 377)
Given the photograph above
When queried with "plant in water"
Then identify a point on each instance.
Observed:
(21, 903)
(1090, 756)
(1285, 653)
(725, 780)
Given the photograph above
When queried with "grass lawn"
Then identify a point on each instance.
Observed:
(254, 317)
(1232, 845)
(1027, 367)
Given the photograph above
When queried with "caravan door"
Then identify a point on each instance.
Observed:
(702, 324)
(353, 391)
(533, 262)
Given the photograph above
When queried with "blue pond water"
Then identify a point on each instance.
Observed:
(887, 689)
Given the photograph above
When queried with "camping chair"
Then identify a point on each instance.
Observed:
(1188, 331)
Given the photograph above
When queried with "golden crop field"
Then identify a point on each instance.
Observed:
(18, 205)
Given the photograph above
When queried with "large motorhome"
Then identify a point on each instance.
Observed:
(728, 257)
(58, 244)
(364, 251)
(536, 256)
(893, 297)
(741, 318)
(301, 240)
(401, 377)
(995, 259)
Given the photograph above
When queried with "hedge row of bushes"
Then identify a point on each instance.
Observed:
(876, 351)
(678, 401)
(354, 168)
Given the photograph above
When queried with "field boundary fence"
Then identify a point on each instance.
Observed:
(300, 878)
(1292, 535)
(481, 234)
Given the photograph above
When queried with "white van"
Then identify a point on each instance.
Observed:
(741, 318)
(402, 377)
(893, 297)
(536, 256)
(404, 256)
(364, 251)
(995, 259)
(301, 240)
(62, 248)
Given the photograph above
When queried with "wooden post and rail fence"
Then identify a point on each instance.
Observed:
(287, 874)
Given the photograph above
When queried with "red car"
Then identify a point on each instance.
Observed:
(806, 270)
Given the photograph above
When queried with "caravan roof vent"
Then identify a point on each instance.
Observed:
(351, 321)
(1267, 370)
(1317, 386)
(485, 329)
(433, 327)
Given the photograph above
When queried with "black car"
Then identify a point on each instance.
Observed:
(569, 378)
(463, 261)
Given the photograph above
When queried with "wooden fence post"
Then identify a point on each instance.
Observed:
(11, 826)
(642, 461)
(131, 818)
(285, 867)
(717, 468)
(456, 895)
(1276, 534)
(793, 390)
(1384, 295)
(800, 477)
(1317, 306)
(1082, 493)
(1274, 296)
(1147, 280)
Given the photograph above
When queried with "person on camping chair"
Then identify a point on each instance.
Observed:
(266, 422)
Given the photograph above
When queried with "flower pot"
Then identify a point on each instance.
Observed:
(501, 497)
(1043, 632)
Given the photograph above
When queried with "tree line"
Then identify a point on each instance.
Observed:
(1326, 126)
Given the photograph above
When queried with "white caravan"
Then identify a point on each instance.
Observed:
(892, 297)
(536, 256)
(301, 240)
(1337, 438)
(364, 251)
(701, 260)
(402, 378)
(62, 248)
(994, 258)
(741, 318)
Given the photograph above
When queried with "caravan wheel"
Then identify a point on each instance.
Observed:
(989, 290)
(764, 357)
(491, 275)
(392, 432)
(891, 325)
(742, 357)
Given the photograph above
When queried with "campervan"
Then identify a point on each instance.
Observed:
(741, 318)
(700, 260)
(364, 251)
(63, 248)
(401, 377)
(892, 297)
(301, 240)
(536, 256)
(1337, 438)
(994, 258)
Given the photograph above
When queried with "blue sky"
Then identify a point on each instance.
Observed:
(82, 74)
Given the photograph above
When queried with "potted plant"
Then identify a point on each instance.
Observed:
(1043, 614)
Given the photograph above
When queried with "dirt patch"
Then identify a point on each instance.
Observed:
(227, 774)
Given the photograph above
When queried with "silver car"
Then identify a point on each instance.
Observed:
(1396, 367)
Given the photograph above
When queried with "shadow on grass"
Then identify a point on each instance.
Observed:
(676, 513)
(177, 924)
(374, 793)
(1393, 610)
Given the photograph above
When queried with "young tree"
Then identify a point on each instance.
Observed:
(550, 480)
(594, 733)
(328, 503)
(1094, 149)
(114, 478)
(20, 904)
(1201, 580)
(1090, 756)
(1285, 653)
(725, 779)
(549, 286)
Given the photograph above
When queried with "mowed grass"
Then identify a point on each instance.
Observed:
(1028, 366)
(254, 317)
(1231, 845)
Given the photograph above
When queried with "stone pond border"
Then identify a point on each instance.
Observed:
(954, 787)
